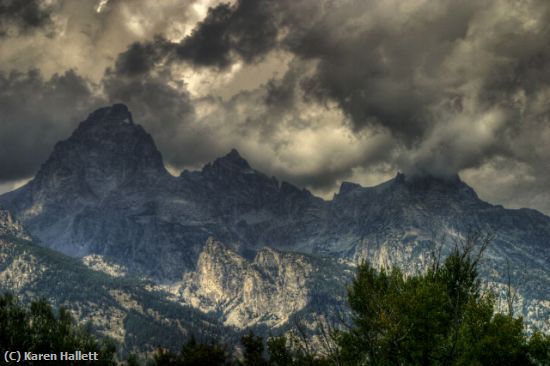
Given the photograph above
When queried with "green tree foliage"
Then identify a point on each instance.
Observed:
(539, 349)
(283, 351)
(193, 353)
(253, 353)
(279, 352)
(39, 329)
(437, 318)
(132, 360)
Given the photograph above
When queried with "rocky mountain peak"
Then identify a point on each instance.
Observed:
(347, 187)
(215, 255)
(244, 291)
(106, 151)
(399, 178)
(113, 114)
(427, 184)
(213, 247)
(234, 176)
(233, 161)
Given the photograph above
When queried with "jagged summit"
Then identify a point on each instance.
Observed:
(429, 184)
(232, 160)
(414, 184)
(233, 170)
(104, 191)
(399, 178)
(232, 163)
(233, 154)
(106, 152)
(115, 113)
(414, 178)
(347, 187)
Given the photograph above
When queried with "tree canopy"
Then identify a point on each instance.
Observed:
(440, 317)
(37, 328)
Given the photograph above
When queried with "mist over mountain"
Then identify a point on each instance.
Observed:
(247, 249)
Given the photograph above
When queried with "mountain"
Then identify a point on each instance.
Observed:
(224, 295)
(130, 311)
(264, 291)
(105, 191)
(104, 196)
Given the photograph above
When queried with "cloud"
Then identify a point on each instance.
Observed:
(141, 58)
(23, 17)
(246, 30)
(89, 37)
(36, 113)
(414, 70)
(512, 183)
(314, 92)
(454, 83)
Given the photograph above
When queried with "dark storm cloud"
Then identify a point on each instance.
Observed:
(442, 77)
(246, 30)
(281, 93)
(35, 114)
(23, 16)
(141, 58)
(425, 87)
(370, 65)
(454, 82)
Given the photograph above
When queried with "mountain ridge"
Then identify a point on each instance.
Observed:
(134, 214)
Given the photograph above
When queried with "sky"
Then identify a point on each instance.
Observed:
(314, 92)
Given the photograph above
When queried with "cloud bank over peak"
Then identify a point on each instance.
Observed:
(315, 92)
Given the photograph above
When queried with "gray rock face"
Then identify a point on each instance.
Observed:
(104, 194)
(266, 290)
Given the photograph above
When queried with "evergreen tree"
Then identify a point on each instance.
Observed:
(39, 329)
(253, 353)
(193, 353)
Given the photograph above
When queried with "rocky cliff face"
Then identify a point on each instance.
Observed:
(266, 290)
(104, 195)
